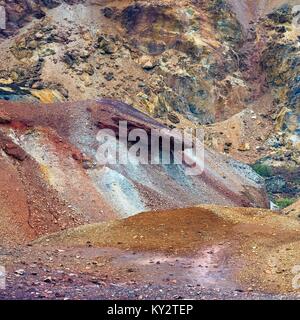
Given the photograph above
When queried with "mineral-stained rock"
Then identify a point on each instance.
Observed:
(69, 58)
(60, 128)
(282, 15)
(108, 12)
(19, 13)
(107, 44)
(11, 149)
(14, 151)
(276, 184)
(173, 118)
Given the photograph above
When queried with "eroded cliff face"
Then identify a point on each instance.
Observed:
(159, 58)
(270, 66)
(281, 63)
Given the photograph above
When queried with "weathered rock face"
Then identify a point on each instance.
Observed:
(269, 62)
(19, 13)
(179, 59)
(249, 11)
(281, 64)
(196, 59)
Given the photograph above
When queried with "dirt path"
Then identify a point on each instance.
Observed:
(114, 274)
(198, 253)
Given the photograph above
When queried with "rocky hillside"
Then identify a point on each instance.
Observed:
(269, 131)
(177, 60)
(71, 227)
(230, 66)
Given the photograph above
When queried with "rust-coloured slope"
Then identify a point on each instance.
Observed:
(51, 150)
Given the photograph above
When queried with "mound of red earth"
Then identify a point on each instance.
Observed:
(51, 179)
(206, 252)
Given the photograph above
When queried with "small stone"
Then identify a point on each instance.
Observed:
(48, 280)
(32, 44)
(39, 35)
(20, 272)
(109, 76)
(244, 147)
(147, 63)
